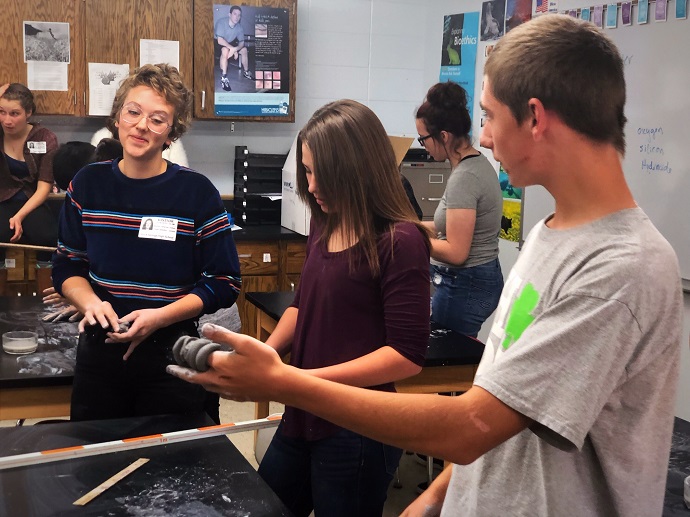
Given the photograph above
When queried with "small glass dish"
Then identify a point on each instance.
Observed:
(20, 342)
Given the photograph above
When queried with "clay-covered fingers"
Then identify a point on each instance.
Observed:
(66, 313)
(53, 316)
(209, 380)
(182, 372)
(254, 353)
(51, 297)
(122, 326)
(76, 317)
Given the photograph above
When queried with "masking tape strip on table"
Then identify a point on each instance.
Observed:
(94, 449)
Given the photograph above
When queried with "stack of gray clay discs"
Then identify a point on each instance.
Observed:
(192, 352)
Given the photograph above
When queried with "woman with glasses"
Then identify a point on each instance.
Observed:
(144, 248)
(465, 270)
(26, 179)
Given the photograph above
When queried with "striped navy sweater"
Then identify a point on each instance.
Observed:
(102, 238)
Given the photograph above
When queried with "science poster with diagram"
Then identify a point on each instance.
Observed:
(459, 52)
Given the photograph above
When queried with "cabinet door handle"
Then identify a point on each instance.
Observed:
(244, 255)
(75, 98)
(292, 286)
(434, 199)
(203, 100)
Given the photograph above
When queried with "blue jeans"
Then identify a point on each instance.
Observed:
(342, 475)
(465, 297)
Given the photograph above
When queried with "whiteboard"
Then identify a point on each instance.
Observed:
(657, 161)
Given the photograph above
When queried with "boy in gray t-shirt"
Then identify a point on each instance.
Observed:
(577, 346)
(573, 403)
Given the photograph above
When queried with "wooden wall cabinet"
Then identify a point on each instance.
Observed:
(266, 267)
(101, 31)
(13, 69)
(108, 31)
(205, 59)
(113, 29)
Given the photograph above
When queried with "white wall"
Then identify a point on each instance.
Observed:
(383, 53)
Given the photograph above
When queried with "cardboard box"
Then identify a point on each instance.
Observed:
(401, 144)
(294, 214)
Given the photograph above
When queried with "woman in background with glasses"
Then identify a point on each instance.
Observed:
(115, 269)
(465, 270)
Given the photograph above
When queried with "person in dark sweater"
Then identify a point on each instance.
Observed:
(409, 192)
(360, 314)
(71, 157)
(156, 280)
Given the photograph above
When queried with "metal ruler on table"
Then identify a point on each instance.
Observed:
(93, 449)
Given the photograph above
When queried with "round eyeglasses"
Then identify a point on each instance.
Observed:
(156, 122)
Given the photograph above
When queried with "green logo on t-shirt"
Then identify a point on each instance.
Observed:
(520, 315)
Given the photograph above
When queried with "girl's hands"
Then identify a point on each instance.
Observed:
(16, 225)
(142, 324)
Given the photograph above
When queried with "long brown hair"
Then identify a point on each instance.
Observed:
(355, 169)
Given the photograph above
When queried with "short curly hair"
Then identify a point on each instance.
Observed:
(168, 82)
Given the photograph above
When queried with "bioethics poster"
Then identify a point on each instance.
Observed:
(251, 61)
(459, 52)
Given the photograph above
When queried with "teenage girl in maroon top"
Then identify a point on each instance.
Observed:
(361, 311)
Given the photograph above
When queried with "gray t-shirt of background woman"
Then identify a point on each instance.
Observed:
(473, 184)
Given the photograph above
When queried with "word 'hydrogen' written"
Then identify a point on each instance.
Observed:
(652, 166)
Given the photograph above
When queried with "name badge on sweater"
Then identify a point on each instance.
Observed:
(161, 228)
(37, 147)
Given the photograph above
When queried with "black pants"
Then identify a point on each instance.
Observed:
(39, 227)
(105, 386)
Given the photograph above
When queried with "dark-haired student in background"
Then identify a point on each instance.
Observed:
(465, 270)
(26, 179)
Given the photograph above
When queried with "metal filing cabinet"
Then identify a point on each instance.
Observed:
(428, 180)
